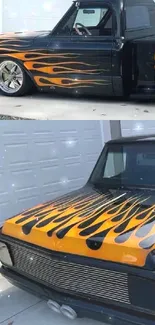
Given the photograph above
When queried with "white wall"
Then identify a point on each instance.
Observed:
(32, 15)
(1, 14)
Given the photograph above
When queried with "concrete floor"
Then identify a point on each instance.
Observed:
(18, 307)
(47, 106)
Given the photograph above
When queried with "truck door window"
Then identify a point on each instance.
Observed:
(129, 164)
(87, 20)
(98, 21)
(90, 17)
(115, 164)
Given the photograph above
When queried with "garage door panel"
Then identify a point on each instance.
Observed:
(17, 155)
(3, 197)
(46, 153)
(4, 183)
(4, 207)
(23, 181)
(137, 127)
(44, 159)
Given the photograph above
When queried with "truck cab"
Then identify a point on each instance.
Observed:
(119, 37)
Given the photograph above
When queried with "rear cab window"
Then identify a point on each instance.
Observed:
(140, 17)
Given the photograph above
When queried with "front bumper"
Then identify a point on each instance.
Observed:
(83, 308)
(37, 280)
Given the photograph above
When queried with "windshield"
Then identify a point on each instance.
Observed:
(140, 17)
(123, 165)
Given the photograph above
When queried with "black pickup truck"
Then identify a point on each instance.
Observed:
(91, 253)
(101, 47)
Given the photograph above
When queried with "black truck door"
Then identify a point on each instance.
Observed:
(81, 49)
(95, 57)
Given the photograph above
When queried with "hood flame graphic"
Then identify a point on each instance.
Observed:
(90, 224)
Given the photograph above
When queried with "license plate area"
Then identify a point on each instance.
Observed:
(5, 257)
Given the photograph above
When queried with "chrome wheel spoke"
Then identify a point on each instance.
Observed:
(20, 81)
(11, 77)
(12, 85)
(19, 76)
(16, 83)
(14, 68)
(6, 70)
(7, 83)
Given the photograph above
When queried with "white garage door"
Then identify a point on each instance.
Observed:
(40, 160)
(137, 127)
(32, 15)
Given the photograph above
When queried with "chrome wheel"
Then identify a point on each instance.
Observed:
(11, 77)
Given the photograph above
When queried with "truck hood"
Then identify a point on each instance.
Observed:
(115, 225)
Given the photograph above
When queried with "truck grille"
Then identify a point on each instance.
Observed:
(79, 279)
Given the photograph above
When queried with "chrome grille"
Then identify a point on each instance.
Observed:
(71, 277)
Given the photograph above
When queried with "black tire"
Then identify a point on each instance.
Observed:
(27, 84)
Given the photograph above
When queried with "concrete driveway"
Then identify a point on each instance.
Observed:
(45, 106)
(18, 307)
